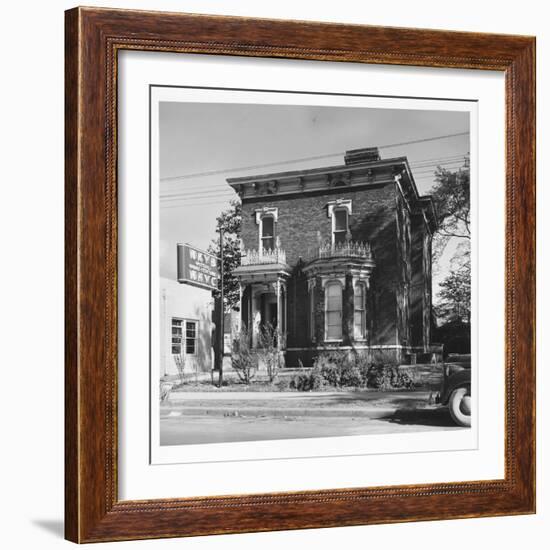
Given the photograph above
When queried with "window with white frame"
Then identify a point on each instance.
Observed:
(339, 225)
(267, 232)
(177, 336)
(339, 212)
(184, 337)
(359, 311)
(190, 338)
(333, 310)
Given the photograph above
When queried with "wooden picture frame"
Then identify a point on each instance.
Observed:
(93, 511)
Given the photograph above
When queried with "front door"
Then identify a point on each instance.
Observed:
(269, 311)
(272, 314)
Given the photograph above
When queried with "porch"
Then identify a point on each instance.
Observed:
(263, 279)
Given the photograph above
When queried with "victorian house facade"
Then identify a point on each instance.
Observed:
(338, 258)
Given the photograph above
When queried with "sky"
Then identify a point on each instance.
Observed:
(204, 137)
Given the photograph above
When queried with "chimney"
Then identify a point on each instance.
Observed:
(357, 156)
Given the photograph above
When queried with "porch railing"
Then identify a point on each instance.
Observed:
(255, 257)
(348, 249)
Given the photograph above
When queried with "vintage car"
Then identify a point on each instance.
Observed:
(456, 388)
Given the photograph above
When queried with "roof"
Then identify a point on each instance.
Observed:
(362, 168)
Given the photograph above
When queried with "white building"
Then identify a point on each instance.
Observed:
(185, 327)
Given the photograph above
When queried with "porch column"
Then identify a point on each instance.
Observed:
(279, 313)
(255, 316)
(241, 309)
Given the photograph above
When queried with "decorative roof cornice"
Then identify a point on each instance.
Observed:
(344, 177)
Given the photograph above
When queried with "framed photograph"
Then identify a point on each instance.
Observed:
(300, 275)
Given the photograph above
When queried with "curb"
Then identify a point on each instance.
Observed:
(257, 412)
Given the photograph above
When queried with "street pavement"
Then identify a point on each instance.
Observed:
(210, 417)
(186, 430)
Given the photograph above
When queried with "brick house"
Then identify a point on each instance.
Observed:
(338, 258)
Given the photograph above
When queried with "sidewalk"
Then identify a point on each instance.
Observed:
(370, 404)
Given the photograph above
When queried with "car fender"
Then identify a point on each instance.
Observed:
(459, 379)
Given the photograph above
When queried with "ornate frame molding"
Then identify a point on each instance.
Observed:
(93, 39)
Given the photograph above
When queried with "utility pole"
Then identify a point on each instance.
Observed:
(221, 343)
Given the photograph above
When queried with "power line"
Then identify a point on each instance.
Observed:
(304, 159)
(192, 204)
(423, 163)
(195, 193)
(221, 188)
(229, 193)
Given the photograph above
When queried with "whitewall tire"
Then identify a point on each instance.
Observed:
(460, 407)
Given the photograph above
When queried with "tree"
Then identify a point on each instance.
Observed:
(230, 221)
(455, 296)
(451, 196)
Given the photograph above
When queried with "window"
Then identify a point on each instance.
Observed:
(190, 337)
(359, 311)
(312, 313)
(181, 342)
(339, 226)
(177, 328)
(334, 311)
(268, 233)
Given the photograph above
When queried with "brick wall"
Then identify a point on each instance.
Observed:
(418, 287)
(300, 218)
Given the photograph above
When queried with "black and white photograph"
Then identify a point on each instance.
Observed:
(314, 269)
(274, 274)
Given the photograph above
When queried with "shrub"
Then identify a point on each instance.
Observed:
(331, 375)
(339, 370)
(243, 359)
(180, 365)
(316, 380)
(308, 380)
(350, 375)
(386, 377)
(284, 383)
(330, 367)
(268, 351)
(363, 366)
(377, 377)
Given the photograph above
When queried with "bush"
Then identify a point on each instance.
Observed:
(308, 380)
(350, 375)
(284, 383)
(363, 366)
(330, 367)
(339, 370)
(243, 359)
(386, 377)
(268, 351)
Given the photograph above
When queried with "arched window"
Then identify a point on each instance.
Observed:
(312, 313)
(268, 233)
(359, 308)
(333, 311)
